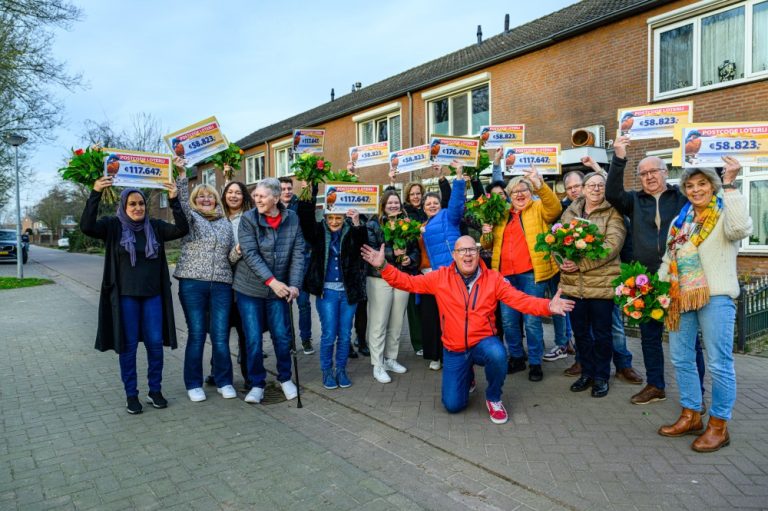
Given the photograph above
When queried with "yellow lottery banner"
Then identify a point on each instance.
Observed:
(137, 169)
(705, 144)
(444, 150)
(198, 141)
(408, 160)
(369, 154)
(308, 141)
(340, 198)
(519, 158)
(495, 136)
(657, 121)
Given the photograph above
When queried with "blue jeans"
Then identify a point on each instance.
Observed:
(336, 315)
(593, 336)
(716, 320)
(272, 313)
(622, 357)
(510, 320)
(141, 317)
(206, 308)
(561, 324)
(458, 373)
(653, 354)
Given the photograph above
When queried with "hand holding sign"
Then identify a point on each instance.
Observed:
(731, 169)
(620, 146)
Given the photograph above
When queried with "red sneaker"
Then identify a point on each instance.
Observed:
(497, 411)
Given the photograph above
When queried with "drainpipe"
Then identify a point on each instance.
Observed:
(267, 160)
(410, 119)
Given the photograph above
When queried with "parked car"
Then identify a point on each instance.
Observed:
(63, 242)
(8, 246)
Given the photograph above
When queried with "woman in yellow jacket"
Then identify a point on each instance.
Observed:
(524, 268)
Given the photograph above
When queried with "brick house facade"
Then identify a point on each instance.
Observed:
(569, 69)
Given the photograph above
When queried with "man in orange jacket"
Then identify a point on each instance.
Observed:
(467, 293)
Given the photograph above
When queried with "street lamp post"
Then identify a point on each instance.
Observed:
(17, 140)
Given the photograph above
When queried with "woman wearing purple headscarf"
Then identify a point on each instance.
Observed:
(135, 302)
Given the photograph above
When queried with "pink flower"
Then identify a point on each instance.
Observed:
(556, 227)
(664, 301)
(320, 164)
(641, 279)
(636, 314)
(619, 290)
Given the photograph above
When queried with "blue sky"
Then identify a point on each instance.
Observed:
(249, 63)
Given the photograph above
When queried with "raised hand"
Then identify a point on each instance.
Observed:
(620, 146)
(497, 156)
(534, 177)
(102, 183)
(373, 257)
(731, 169)
(173, 191)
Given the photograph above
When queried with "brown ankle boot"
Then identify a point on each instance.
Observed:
(689, 423)
(715, 437)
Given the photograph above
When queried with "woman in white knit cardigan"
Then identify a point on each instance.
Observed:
(700, 264)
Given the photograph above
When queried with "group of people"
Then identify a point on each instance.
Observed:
(246, 257)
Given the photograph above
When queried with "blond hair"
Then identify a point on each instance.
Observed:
(204, 188)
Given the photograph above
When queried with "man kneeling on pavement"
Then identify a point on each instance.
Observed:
(467, 293)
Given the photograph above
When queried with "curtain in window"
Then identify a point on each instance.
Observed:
(676, 58)
(722, 46)
(394, 133)
(480, 110)
(459, 110)
(366, 133)
(760, 37)
(440, 122)
(758, 210)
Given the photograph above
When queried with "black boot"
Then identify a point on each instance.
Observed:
(515, 365)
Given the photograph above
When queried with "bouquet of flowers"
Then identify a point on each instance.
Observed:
(312, 170)
(490, 209)
(342, 176)
(576, 240)
(231, 156)
(640, 294)
(85, 167)
(401, 232)
(483, 162)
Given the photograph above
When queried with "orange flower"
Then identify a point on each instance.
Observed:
(589, 238)
(638, 303)
(630, 282)
(549, 239)
(242, 152)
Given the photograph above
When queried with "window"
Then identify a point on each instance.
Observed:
(163, 200)
(713, 49)
(460, 113)
(208, 177)
(283, 161)
(753, 183)
(254, 168)
(381, 129)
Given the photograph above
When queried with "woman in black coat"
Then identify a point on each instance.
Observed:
(335, 277)
(135, 301)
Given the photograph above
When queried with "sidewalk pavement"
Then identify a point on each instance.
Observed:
(69, 443)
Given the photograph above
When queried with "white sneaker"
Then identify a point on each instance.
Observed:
(380, 374)
(420, 353)
(435, 365)
(556, 353)
(196, 395)
(391, 364)
(255, 395)
(227, 392)
(289, 389)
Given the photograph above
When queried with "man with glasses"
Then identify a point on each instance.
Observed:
(650, 210)
(467, 293)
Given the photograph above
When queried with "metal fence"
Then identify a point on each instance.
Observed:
(752, 313)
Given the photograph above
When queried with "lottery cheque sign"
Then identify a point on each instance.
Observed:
(308, 141)
(704, 145)
(340, 198)
(658, 121)
(444, 150)
(519, 158)
(495, 136)
(198, 141)
(137, 169)
(369, 154)
(408, 160)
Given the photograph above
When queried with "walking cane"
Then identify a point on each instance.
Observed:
(293, 353)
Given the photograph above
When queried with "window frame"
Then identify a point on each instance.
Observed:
(253, 158)
(375, 117)
(208, 176)
(744, 181)
(283, 146)
(660, 25)
(449, 95)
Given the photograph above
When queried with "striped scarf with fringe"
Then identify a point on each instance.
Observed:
(688, 284)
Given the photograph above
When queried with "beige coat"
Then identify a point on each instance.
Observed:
(593, 280)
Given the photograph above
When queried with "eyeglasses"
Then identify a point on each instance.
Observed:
(648, 173)
(573, 188)
(595, 186)
(520, 192)
(467, 251)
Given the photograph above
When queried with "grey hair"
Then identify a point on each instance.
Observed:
(575, 173)
(516, 181)
(271, 184)
(591, 175)
(656, 160)
(709, 173)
